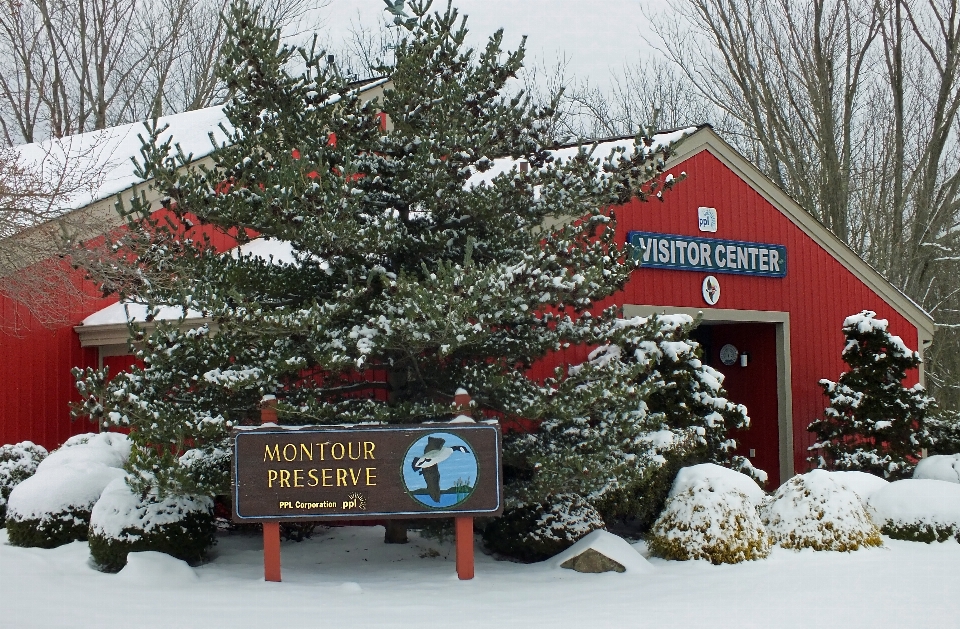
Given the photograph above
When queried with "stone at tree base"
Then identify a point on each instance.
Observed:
(591, 561)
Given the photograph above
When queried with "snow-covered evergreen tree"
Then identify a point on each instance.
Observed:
(410, 266)
(873, 424)
(619, 426)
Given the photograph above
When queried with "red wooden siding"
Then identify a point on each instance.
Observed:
(36, 386)
(818, 291)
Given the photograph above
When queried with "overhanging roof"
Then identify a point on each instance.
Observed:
(697, 139)
(105, 158)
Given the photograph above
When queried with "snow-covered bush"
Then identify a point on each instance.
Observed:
(539, 531)
(861, 483)
(123, 521)
(939, 467)
(620, 426)
(816, 511)
(105, 448)
(873, 424)
(18, 462)
(53, 506)
(921, 510)
(712, 514)
(944, 431)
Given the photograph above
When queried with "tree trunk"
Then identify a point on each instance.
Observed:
(395, 532)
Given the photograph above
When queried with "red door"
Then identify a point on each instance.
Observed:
(753, 385)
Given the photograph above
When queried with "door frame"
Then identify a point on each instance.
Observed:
(781, 321)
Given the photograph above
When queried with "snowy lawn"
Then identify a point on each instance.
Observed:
(348, 578)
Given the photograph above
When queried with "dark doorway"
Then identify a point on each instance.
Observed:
(753, 385)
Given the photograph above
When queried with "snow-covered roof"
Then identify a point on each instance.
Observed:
(266, 249)
(706, 139)
(105, 157)
(602, 150)
(282, 252)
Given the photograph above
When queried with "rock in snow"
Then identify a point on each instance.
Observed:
(610, 546)
(939, 467)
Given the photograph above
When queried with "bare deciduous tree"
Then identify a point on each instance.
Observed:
(69, 66)
(851, 106)
(35, 232)
(651, 92)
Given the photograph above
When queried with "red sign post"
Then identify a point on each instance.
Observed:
(271, 530)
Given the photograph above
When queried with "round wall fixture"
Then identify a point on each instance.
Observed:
(710, 290)
(729, 354)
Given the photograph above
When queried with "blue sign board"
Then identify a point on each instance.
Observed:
(689, 253)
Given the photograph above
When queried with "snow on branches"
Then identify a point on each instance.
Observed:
(408, 272)
(873, 423)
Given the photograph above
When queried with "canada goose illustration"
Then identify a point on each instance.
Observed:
(434, 453)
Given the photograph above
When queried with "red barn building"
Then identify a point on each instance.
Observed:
(771, 283)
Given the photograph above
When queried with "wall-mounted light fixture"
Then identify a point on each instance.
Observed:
(744, 359)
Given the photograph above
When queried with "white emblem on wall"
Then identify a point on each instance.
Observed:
(707, 219)
(728, 354)
(711, 290)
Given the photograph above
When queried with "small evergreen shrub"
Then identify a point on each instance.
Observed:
(18, 462)
(915, 532)
(860, 483)
(944, 431)
(816, 511)
(52, 507)
(124, 521)
(297, 531)
(710, 515)
(873, 423)
(921, 510)
(111, 449)
(539, 531)
(619, 426)
(208, 469)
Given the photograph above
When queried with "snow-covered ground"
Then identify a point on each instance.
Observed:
(347, 578)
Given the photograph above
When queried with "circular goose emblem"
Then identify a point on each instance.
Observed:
(711, 290)
(440, 470)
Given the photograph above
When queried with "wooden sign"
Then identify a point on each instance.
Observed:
(364, 473)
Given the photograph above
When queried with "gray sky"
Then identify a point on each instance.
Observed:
(596, 36)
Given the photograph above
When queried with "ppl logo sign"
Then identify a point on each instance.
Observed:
(707, 219)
